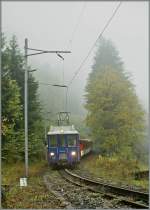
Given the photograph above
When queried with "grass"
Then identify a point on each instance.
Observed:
(11, 173)
(115, 170)
(35, 195)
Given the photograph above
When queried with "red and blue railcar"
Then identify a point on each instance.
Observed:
(63, 145)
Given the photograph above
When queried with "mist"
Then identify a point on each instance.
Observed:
(75, 26)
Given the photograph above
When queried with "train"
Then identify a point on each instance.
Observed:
(64, 146)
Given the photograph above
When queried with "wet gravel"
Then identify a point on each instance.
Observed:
(77, 197)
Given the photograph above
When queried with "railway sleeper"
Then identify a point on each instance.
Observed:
(112, 189)
(132, 197)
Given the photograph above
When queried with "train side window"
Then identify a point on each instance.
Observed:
(53, 141)
(71, 139)
(62, 140)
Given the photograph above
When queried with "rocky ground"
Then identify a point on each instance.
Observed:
(77, 197)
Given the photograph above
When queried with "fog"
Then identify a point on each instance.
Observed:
(75, 26)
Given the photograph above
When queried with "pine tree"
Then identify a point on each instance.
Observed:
(11, 109)
(12, 140)
(13, 67)
(16, 64)
(115, 115)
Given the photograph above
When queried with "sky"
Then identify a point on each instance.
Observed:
(75, 26)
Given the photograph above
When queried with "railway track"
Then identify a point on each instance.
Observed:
(132, 198)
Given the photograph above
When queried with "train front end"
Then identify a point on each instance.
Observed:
(63, 145)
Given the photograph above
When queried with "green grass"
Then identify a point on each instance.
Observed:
(115, 170)
(11, 173)
(35, 195)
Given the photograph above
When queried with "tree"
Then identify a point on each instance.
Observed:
(11, 108)
(16, 68)
(16, 64)
(13, 68)
(115, 115)
(106, 54)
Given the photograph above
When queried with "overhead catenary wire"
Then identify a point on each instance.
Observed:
(65, 102)
(77, 24)
(99, 36)
(43, 83)
(81, 65)
(56, 85)
(70, 42)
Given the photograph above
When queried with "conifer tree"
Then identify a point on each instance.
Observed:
(11, 109)
(115, 115)
(13, 68)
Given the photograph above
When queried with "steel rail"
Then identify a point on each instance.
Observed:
(131, 197)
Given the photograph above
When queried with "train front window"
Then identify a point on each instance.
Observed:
(62, 141)
(72, 140)
(53, 141)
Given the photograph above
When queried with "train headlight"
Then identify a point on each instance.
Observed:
(52, 154)
(73, 153)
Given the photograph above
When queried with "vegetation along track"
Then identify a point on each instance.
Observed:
(132, 198)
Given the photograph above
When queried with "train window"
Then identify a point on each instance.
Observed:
(62, 140)
(53, 141)
(71, 139)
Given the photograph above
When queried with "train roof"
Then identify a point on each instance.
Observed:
(62, 130)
